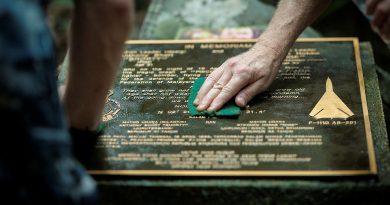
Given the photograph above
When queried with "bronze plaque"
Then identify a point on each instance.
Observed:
(313, 121)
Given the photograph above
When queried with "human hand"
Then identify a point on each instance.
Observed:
(245, 76)
(380, 11)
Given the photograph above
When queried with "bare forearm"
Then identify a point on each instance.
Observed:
(98, 32)
(250, 73)
(290, 19)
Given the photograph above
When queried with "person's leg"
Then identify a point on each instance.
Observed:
(36, 162)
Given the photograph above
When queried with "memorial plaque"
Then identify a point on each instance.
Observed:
(313, 120)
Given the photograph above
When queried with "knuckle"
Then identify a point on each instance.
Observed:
(231, 62)
(227, 89)
(246, 95)
(212, 79)
(261, 74)
(206, 100)
(243, 70)
(245, 73)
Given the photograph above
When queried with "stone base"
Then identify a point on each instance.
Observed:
(331, 190)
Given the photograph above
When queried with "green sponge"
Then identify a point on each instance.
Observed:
(230, 109)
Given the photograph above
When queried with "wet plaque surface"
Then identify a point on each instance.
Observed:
(313, 121)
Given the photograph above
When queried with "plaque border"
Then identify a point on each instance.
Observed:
(267, 173)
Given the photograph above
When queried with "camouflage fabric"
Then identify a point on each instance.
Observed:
(36, 161)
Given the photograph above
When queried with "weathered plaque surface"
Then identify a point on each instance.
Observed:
(313, 121)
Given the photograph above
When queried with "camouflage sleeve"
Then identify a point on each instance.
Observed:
(36, 160)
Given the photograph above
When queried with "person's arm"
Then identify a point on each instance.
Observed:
(252, 72)
(98, 33)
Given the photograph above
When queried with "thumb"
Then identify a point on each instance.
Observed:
(248, 93)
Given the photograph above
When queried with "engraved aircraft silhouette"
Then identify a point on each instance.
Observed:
(330, 105)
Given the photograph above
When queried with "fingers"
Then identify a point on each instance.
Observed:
(255, 68)
(208, 84)
(236, 83)
(248, 93)
(371, 5)
(215, 91)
